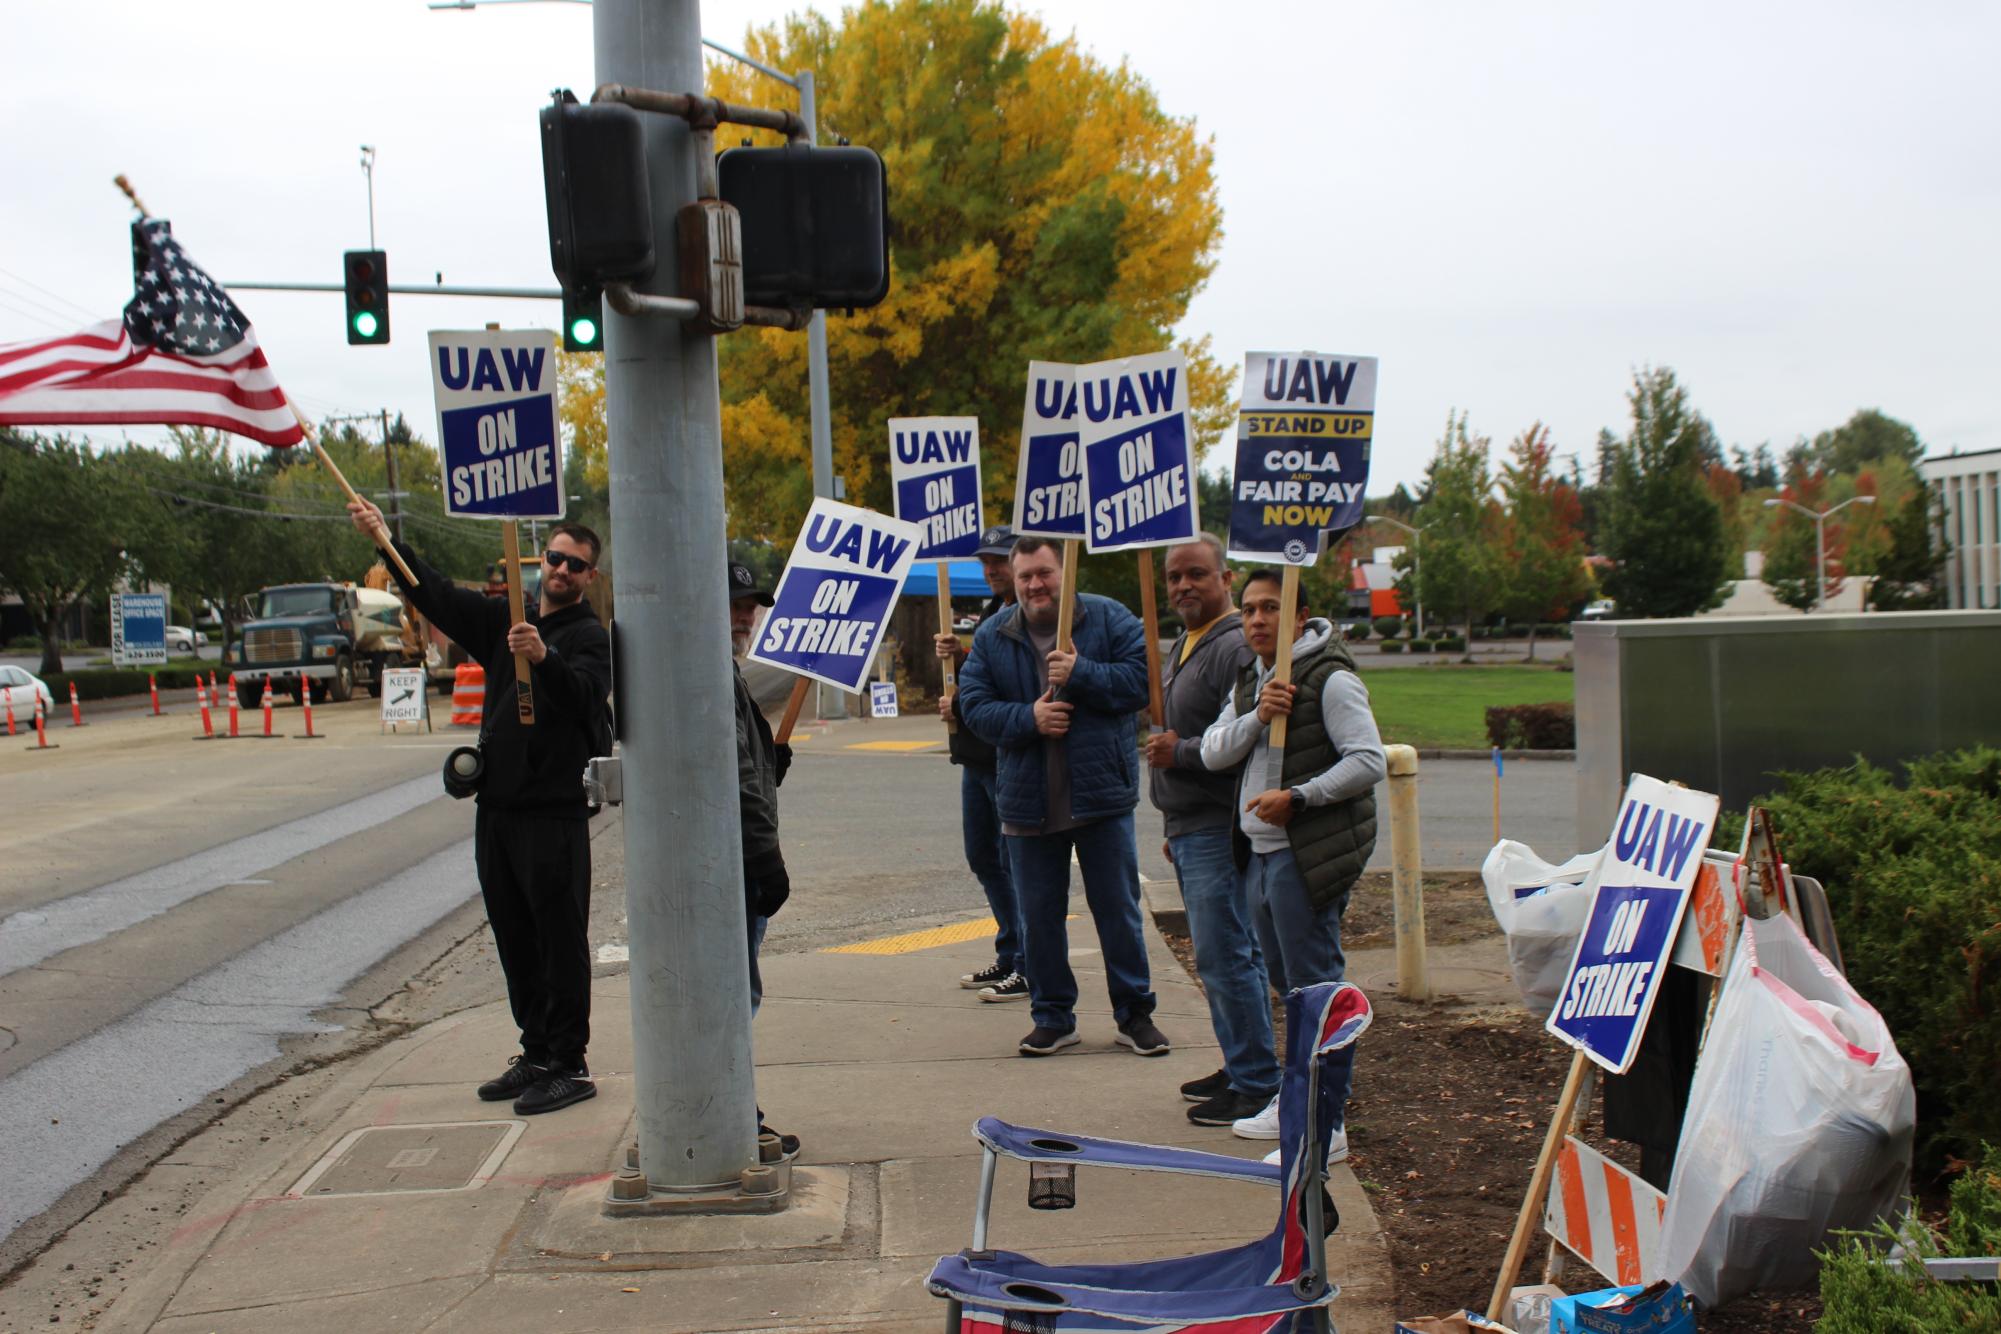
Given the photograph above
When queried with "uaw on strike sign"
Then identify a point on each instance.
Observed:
(834, 599)
(1139, 460)
(1303, 437)
(1640, 889)
(934, 466)
(497, 437)
(1049, 480)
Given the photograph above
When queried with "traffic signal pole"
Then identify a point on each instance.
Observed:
(692, 1071)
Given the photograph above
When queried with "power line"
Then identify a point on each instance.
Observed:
(85, 311)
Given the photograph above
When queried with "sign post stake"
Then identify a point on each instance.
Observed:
(792, 707)
(1156, 709)
(945, 628)
(1545, 1164)
(524, 685)
(1066, 602)
(1288, 628)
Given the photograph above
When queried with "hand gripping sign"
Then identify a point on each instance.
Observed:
(836, 595)
(1303, 440)
(1139, 463)
(1638, 894)
(934, 465)
(1049, 479)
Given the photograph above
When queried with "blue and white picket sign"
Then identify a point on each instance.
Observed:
(1639, 891)
(836, 595)
(1303, 436)
(498, 442)
(1139, 459)
(882, 699)
(934, 470)
(138, 629)
(1049, 478)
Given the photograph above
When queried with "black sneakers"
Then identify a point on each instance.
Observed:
(521, 1073)
(1012, 987)
(1207, 1087)
(1047, 1041)
(556, 1089)
(1142, 1037)
(1226, 1107)
(986, 977)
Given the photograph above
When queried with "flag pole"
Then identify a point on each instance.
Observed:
(381, 535)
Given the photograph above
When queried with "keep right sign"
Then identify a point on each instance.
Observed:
(1639, 892)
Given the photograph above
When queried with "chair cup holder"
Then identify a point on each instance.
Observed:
(1052, 1185)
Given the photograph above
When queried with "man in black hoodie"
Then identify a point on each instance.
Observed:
(531, 843)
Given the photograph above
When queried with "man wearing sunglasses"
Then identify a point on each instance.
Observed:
(531, 844)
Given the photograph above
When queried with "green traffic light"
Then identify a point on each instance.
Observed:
(584, 330)
(365, 323)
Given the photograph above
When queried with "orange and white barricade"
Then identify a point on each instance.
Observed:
(1604, 1214)
(468, 694)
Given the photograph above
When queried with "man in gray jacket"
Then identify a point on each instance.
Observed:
(1202, 666)
(1306, 818)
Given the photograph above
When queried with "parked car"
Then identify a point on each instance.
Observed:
(1602, 610)
(26, 689)
(180, 639)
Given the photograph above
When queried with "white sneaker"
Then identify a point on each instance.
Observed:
(1337, 1150)
(1263, 1125)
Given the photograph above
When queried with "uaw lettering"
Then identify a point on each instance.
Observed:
(934, 467)
(1303, 438)
(836, 595)
(496, 394)
(1640, 893)
(1049, 480)
(1139, 470)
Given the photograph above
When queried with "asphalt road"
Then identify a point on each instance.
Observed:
(182, 921)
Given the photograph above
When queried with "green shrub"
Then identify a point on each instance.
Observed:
(1863, 1293)
(1913, 877)
(1556, 631)
(1420, 646)
(1389, 627)
(1391, 646)
(1450, 644)
(1532, 727)
(1358, 631)
(110, 682)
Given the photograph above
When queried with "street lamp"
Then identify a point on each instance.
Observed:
(1416, 559)
(1819, 518)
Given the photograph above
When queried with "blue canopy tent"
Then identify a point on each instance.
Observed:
(968, 580)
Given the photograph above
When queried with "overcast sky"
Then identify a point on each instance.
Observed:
(1512, 205)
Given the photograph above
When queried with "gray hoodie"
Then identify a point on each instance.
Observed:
(1344, 706)
(1189, 796)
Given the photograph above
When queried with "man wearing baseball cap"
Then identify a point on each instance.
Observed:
(979, 817)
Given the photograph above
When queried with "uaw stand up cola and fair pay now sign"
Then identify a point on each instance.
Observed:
(1139, 463)
(497, 437)
(835, 597)
(1639, 892)
(1303, 438)
(934, 465)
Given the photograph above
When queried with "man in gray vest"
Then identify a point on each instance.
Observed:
(1197, 808)
(1306, 818)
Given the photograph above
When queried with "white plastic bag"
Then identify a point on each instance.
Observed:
(1799, 1123)
(1542, 909)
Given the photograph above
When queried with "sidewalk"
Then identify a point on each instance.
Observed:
(470, 1219)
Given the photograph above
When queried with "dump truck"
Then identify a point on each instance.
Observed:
(327, 638)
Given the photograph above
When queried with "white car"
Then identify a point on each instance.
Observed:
(26, 690)
(180, 639)
(965, 625)
(1604, 609)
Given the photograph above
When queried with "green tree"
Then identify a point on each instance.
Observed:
(1461, 572)
(1909, 575)
(1045, 207)
(1869, 437)
(1541, 537)
(66, 516)
(1659, 524)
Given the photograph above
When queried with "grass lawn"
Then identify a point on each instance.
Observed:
(1446, 706)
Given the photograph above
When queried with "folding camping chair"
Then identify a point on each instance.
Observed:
(1257, 1288)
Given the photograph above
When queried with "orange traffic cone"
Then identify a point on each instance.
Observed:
(75, 707)
(153, 686)
(41, 728)
(9, 692)
(267, 709)
(233, 698)
(201, 699)
(306, 703)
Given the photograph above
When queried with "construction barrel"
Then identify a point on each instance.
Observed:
(468, 694)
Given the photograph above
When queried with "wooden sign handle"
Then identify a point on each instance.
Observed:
(799, 689)
(524, 685)
(1066, 603)
(1288, 628)
(1545, 1167)
(1156, 708)
(945, 628)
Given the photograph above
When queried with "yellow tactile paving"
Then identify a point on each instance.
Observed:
(911, 941)
(891, 745)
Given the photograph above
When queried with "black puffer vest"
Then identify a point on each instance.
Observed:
(1331, 843)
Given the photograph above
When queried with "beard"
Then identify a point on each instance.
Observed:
(557, 598)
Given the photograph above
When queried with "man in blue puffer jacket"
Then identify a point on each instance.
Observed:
(1067, 778)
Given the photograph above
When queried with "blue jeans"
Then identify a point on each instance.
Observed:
(1110, 863)
(1301, 946)
(1227, 958)
(986, 854)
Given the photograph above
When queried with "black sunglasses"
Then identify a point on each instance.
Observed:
(560, 559)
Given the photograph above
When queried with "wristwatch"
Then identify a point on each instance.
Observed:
(1298, 800)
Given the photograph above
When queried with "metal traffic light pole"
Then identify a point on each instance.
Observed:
(692, 1070)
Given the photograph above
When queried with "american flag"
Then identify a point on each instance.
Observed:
(183, 355)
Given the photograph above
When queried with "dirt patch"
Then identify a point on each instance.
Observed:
(1450, 1106)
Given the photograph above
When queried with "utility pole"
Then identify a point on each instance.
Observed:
(395, 491)
(692, 1073)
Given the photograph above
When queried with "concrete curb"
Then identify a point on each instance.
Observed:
(1446, 753)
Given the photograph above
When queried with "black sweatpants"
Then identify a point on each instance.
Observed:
(535, 873)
